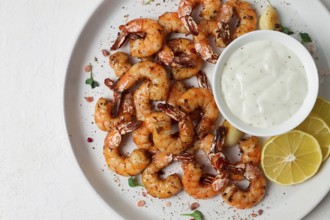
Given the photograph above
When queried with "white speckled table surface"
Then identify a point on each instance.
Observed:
(39, 176)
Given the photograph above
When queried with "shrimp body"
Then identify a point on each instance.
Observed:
(251, 196)
(152, 71)
(119, 63)
(124, 165)
(194, 182)
(171, 23)
(210, 9)
(141, 99)
(141, 136)
(103, 118)
(141, 46)
(157, 187)
(202, 45)
(162, 135)
(176, 90)
(202, 98)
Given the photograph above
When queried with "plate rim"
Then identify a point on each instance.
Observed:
(304, 211)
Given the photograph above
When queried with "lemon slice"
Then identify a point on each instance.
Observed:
(319, 129)
(322, 109)
(291, 158)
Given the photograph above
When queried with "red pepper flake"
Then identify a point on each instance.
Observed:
(144, 194)
(141, 203)
(89, 99)
(89, 140)
(254, 215)
(194, 205)
(87, 68)
(105, 53)
(260, 211)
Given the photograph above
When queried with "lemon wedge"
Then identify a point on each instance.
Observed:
(322, 109)
(291, 158)
(319, 129)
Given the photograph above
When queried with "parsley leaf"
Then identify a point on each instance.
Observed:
(197, 215)
(305, 38)
(148, 2)
(286, 30)
(132, 182)
(90, 81)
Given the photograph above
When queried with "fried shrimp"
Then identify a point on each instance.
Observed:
(119, 62)
(210, 9)
(141, 99)
(152, 71)
(147, 37)
(124, 165)
(201, 98)
(103, 118)
(155, 186)
(162, 135)
(251, 196)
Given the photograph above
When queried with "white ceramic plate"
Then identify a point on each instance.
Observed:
(99, 33)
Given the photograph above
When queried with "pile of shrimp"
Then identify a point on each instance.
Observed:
(151, 100)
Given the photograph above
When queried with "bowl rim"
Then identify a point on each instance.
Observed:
(312, 81)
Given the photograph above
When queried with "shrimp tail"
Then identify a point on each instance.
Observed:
(203, 81)
(127, 127)
(123, 35)
(184, 157)
(171, 111)
(190, 24)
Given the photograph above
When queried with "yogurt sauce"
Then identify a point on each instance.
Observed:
(264, 83)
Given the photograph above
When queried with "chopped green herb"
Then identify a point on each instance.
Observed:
(132, 182)
(286, 30)
(197, 215)
(148, 2)
(305, 38)
(90, 81)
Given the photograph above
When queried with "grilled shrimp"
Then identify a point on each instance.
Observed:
(171, 23)
(191, 62)
(147, 37)
(102, 114)
(119, 62)
(202, 98)
(162, 130)
(176, 90)
(210, 9)
(124, 165)
(251, 154)
(195, 182)
(202, 46)
(251, 196)
(247, 17)
(141, 99)
(152, 71)
(141, 136)
(155, 186)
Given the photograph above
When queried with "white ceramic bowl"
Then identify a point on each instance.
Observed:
(312, 78)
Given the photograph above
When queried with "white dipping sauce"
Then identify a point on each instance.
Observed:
(264, 83)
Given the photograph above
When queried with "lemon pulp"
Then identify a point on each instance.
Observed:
(291, 158)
